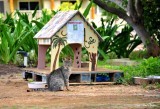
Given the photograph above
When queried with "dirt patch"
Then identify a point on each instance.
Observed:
(9, 69)
(14, 95)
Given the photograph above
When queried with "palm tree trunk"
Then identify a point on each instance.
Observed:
(55, 60)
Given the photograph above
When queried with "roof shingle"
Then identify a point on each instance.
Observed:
(57, 22)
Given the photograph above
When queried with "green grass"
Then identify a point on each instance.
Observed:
(103, 64)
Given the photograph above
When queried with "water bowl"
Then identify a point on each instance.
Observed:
(37, 85)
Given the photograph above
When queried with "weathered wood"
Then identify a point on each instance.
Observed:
(78, 74)
(75, 70)
(92, 83)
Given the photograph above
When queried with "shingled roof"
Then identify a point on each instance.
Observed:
(58, 21)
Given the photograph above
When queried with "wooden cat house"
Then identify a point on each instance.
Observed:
(79, 33)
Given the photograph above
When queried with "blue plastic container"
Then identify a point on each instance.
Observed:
(102, 78)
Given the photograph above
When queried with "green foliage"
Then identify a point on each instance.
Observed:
(105, 65)
(121, 81)
(102, 54)
(30, 80)
(46, 16)
(12, 40)
(107, 30)
(32, 56)
(124, 3)
(157, 85)
(120, 43)
(85, 56)
(65, 6)
(87, 10)
(17, 33)
(143, 15)
(112, 55)
(78, 5)
(129, 72)
(66, 51)
(101, 63)
(150, 66)
(140, 54)
(146, 67)
(108, 14)
(151, 15)
(1, 15)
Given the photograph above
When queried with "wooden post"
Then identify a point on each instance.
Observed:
(92, 57)
(42, 49)
(52, 4)
(92, 12)
(11, 4)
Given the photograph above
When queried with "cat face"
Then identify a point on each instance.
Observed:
(67, 62)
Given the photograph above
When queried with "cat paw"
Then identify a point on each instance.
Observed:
(68, 90)
(61, 88)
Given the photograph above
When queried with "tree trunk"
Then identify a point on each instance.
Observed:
(150, 44)
(55, 60)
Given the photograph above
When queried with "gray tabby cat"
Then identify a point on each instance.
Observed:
(59, 78)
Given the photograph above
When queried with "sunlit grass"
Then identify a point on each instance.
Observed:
(104, 64)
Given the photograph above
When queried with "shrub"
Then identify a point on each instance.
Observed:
(150, 66)
(112, 55)
(138, 54)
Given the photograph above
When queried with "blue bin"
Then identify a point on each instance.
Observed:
(102, 78)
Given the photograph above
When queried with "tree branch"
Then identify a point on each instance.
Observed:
(130, 8)
(138, 7)
(132, 11)
(112, 10)
(118, 3)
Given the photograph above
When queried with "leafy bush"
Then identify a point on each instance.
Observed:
(150, 66)
(65, 6)
(112, 55)
(120, 43)
(17, 32)
(19, 60)
(138, 54)
(1, 15)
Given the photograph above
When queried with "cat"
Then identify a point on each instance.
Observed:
(59, 78)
